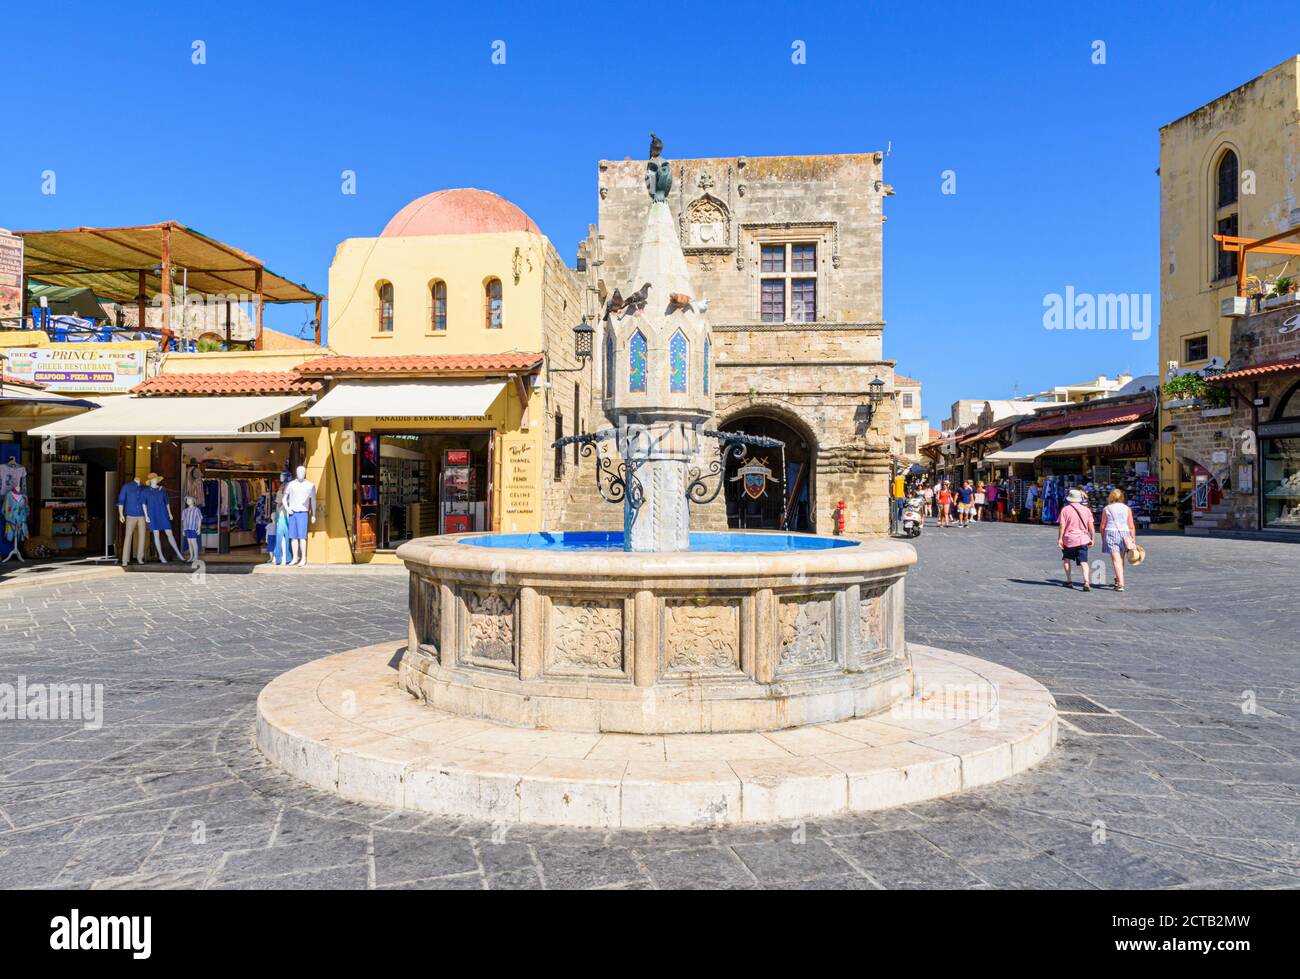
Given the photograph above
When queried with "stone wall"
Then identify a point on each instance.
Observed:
(813, 375)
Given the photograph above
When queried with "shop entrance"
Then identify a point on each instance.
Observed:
(785, 502)
(419, 484)
(233, 483)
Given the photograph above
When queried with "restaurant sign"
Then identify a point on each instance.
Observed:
(77, 369)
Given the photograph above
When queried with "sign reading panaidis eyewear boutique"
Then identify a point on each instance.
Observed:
(74, 369)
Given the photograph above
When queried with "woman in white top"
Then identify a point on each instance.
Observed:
(1118, 530)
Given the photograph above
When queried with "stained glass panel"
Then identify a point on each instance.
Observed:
(636, 368)
(677, 363)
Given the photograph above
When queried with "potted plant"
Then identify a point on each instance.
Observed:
(1284, 292)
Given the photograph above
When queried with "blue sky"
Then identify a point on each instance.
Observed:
(1054, 156)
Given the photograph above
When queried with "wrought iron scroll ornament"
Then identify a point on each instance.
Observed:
(613, 481)
(733, 445)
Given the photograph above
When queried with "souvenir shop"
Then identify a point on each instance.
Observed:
(416, 484)
(234, 484)
(65, 495)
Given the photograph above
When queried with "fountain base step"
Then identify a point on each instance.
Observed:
(343, 725)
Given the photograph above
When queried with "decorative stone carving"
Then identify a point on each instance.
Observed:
(871, 626)
(586, 636)
(701, 636)
(807, 632)
(708, 225)
(490, 634)
(426, 609)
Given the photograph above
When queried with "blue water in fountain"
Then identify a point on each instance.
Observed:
(703, 542)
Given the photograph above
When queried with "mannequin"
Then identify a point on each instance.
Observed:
(130, 511)
(15, 517)
(191, 522)
(299, 500)
(158, 515)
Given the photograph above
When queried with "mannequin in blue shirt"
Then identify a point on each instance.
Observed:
(130, 511)
(158, 514)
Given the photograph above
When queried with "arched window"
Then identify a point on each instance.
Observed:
(636, 363)
(1227, 179)
(384, 307)
(677, 361)
(1288, 405)
(437, 305)
(706, 365)
(1225, 218)
(492, 305)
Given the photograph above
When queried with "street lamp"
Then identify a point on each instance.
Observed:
(582, 345)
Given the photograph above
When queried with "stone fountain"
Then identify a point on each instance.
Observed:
(654, 676)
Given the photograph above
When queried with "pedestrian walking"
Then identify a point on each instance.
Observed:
(965, 503)
(927, 496)
(981, 497)
(944, 496)
(1075, 531)
(1118, 533)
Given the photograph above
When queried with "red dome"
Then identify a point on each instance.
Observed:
(457, 212)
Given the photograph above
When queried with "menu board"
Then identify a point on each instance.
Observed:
(11, 278)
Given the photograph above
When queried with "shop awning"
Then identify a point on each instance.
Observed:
(11, 393)
(407, 399)
(1093, 438)
(178, 417)
(1026, 450)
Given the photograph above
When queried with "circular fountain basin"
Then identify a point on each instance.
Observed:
(744, 632)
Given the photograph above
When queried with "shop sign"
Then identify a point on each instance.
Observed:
(1246, 478)
(519, 478)
(431, 418)
(73, 368)
(754, 476)
(11, 277)
(267, 426)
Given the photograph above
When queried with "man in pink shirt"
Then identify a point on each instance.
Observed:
(1075, 536)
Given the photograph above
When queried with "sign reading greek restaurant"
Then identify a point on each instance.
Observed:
(72, 368)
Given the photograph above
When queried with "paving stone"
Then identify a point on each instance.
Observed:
(1206, 796)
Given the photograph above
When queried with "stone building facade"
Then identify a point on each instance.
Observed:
(1227, 167)
(787, 251)
(1245, 458)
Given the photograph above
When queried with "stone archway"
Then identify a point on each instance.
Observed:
(787, 501)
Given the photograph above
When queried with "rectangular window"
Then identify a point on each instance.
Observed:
(907, 399)
(909, 445)
(803, 300)
(1196, 348)
(774, 300)
(788, 284)
(1226, 262)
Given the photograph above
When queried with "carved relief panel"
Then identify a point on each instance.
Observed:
(586, 637)
(873, 643)
(488, 638)
(708, 224)
(807, 632)
(426, 610)
(700, 637)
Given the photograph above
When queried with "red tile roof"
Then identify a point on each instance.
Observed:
(233, 382)
(1280, 366)
(904, 379)
(1091, 418)
(421, 364)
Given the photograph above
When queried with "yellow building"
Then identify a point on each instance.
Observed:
(450, 368)
(1229, 167)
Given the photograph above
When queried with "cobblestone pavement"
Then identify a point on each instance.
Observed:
(1166, 782)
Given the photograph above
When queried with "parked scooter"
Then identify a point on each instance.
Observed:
(913, 516)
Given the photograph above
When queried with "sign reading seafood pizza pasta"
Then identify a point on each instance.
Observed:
(72, 368)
